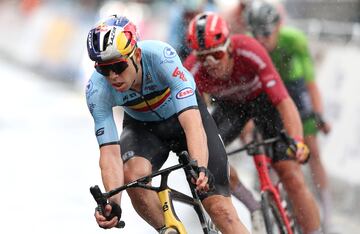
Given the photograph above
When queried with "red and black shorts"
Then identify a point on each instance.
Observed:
(231, 118)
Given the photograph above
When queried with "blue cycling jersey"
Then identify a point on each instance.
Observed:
(167, 89)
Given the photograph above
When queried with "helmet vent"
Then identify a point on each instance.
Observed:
(203, 17)
(128, 35)
(95, 41)
(200, 30)
(105, 42)
(218, 36)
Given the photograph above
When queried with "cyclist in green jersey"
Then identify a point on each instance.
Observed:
(290, 54)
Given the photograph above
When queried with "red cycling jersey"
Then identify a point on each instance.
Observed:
(253, 73)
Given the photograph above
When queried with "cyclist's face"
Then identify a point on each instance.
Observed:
(124, 80)
(120, 74)
(269, 41)
(218, 68)
(217, 62)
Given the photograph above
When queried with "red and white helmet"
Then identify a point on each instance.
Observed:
(207, 30)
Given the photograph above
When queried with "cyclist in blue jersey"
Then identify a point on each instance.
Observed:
(163, 113)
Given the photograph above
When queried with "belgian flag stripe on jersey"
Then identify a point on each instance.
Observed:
(151, 102)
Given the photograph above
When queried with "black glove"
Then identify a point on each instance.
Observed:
(290, 147)
(299, 144)
(319, 121)
(115, 211)
(209, 175)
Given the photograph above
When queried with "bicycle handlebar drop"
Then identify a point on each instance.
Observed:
(184, 159)
(99, 198)
(101, 201)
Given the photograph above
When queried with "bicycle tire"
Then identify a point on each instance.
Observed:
(212, 229)
(274, 223)
(295, 227)
(294, 224)
(170, 231)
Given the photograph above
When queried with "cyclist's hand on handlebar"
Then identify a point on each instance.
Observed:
(302, 152)
(202, 182)
(205, 180)
(111, 218)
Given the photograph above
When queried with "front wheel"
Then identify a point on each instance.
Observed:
(274, 223)
(169, 231)
(212, 229)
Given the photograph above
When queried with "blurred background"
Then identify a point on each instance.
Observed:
(49, 154)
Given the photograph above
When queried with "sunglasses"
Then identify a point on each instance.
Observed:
(117, 67)
(263, 30)
(216, 53)
(264, 33)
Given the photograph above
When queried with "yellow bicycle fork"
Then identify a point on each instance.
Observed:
(171, 219)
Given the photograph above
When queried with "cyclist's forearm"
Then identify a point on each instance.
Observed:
(112, 178)
(290, 117)
(195, 136)
(196, 140)
(111, 171)
(315, 97)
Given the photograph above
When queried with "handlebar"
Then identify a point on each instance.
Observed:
(102, 202)
(252, 147)
(101, 198)
(189, 164)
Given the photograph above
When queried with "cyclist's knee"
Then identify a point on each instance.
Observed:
(291, 176)
(293, 184)
(220, 208)
(136, 168)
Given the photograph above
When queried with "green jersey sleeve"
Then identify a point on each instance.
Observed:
(302, 50)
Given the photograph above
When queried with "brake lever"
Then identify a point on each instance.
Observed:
(99, 198)
(289, 141)
(102, 202)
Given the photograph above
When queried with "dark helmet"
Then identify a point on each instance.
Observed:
(207, 30)
(112, 38)
(262, 17)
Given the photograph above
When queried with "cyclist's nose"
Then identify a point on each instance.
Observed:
(113, 76)
(211, 61)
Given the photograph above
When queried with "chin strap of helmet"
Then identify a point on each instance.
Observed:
(135, 65)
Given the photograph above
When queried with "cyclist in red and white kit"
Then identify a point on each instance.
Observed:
(238, 74)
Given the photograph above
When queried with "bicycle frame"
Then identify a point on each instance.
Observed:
(166, 195)
(262, 163)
